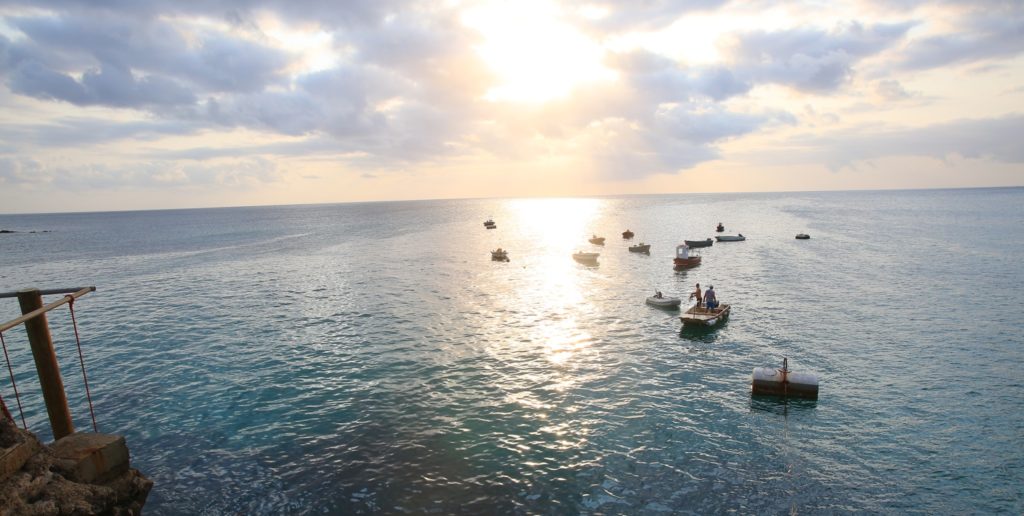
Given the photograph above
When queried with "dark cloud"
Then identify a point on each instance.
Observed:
(996, 31)
(347, 13)
(660, 79)
(211, 61)
(110, 86)
(809, 59)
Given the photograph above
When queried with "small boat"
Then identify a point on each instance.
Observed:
(683, 260)
(640, 248)
(627, 234)
(705, 317)
(662, 301)
(489, 224)
(596, 240)
(499, 255)
(699, 243)
(731, 238)
(720, 228)
(580, 256)
(803, 236)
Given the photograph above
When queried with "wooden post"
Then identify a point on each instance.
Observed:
(46, 364)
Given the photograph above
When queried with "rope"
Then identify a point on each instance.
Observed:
(81, 360)
(11, 371)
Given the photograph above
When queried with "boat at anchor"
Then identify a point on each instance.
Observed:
(683, 260)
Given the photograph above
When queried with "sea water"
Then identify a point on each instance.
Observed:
(361, 358)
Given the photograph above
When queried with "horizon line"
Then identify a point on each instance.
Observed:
(377, 201)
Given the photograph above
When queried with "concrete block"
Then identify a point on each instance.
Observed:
(92, 458)
(14, 457)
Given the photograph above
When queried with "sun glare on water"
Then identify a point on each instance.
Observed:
(536, 56)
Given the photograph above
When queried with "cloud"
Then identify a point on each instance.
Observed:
(891, 90)
(109, 86)
(230, 173)
(997, 31)
(618, 17)
(995, 139)
(79, 131)
(109, 60)
(808, 59)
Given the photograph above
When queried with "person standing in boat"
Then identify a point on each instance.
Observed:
(696, 294)
(710, 301)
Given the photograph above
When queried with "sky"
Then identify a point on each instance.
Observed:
(137, 104)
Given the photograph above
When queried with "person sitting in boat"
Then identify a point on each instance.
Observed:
(696, 294)
(657, 294)
(710, 301)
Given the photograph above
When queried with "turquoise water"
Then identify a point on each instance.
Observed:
(368, 358)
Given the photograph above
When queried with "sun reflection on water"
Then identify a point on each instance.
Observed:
(558, 227)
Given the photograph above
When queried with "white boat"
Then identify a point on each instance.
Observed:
(585, 257)
(640, 248)
(499, 255)
(705, 317)
(661, 301)
(596, 240)
(731, 238)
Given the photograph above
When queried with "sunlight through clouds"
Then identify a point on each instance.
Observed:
(395, 99)
(537, 56)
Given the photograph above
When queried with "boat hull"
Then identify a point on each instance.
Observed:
(640, 248)
(596, 241)
(664, 302)
(699, 243)
(627, 234)
(686, 263)
(730, 238)
(702, 317)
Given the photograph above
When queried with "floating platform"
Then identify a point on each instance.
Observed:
(704, 317)
(783, 382)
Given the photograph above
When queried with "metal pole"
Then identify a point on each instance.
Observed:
(46, 364)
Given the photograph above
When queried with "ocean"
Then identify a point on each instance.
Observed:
(371, 358)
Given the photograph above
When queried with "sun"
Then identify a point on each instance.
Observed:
(534, 53)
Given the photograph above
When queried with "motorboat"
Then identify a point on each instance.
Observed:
(731, 238)
(720, 228)
(627, 234)
(700, 316)
(662, 301)
(489, 224)
(596, 240)
(683, 260)
(699, 243)
(499, 255)
(580, 256)
(803, 236)
(640, 248)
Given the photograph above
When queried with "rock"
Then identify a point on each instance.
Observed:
(52, 480)
(91, 457)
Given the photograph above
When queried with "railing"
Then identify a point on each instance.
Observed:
(34, 318)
